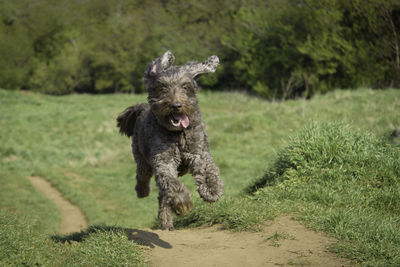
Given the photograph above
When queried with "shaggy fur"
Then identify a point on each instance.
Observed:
(169, 139)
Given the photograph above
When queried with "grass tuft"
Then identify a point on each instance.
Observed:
(237, 213)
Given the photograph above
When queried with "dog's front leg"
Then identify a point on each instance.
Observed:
(206, 174)
(164, 212)
(164, 174)
(174, 197)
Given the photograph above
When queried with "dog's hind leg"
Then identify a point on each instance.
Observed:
(181, 202)
(143, 176)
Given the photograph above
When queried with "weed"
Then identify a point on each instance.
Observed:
(277, 236)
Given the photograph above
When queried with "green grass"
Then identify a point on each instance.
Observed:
(344, 182)
(23, 244)
(72, 141)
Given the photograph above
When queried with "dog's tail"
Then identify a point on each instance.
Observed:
(127, 119)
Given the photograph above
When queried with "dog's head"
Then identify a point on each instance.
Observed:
(172, 89)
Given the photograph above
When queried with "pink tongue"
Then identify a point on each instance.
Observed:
(183, 120)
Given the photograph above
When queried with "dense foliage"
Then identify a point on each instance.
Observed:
(276, 48)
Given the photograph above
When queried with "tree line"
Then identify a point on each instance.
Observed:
(277, 49)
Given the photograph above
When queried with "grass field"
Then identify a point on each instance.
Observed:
(329, 160)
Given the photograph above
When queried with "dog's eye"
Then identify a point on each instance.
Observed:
(186, 86)
(162, 88)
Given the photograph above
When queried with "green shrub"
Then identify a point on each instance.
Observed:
(276, 49)
(65, 74)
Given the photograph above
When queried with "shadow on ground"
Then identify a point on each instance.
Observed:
(141, 237)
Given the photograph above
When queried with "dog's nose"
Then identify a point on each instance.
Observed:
(176, 105)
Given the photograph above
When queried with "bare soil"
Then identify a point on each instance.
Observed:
(72, 218)
(282, 242)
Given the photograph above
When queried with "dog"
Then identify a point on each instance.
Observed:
(169, 138)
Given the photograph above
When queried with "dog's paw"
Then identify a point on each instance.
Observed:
(142, 190)
(166, 222)
(181, 204)
(167, 227)
(209, 194)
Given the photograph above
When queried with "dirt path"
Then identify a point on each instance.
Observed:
(283, 242)
(72, 219)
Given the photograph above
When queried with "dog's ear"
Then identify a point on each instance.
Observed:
(159, 64)
(196, 68)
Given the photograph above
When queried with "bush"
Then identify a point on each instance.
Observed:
(65, 74)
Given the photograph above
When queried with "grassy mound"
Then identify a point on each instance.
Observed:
(344, 182)
(334, 153)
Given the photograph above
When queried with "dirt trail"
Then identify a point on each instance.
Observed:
(283, 242)
(73, 219)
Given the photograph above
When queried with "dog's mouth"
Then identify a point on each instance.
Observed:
(179, 119)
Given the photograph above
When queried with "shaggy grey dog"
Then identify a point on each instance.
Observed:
(169, 139)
